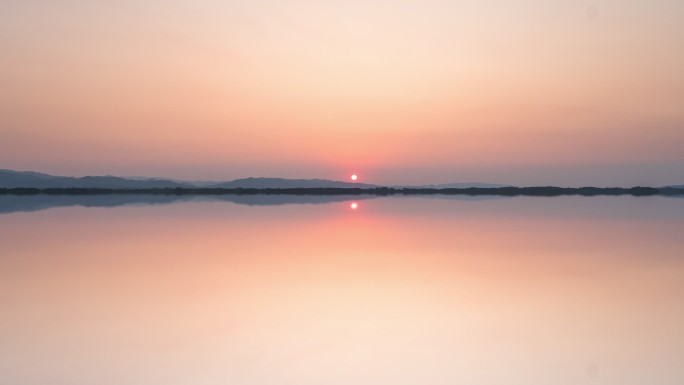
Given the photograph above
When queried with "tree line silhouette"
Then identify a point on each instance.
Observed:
(548, 191)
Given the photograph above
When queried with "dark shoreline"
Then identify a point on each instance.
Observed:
(380, 191)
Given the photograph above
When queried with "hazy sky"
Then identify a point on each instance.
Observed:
(523, 92)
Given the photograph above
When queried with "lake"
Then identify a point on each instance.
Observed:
(128, 290)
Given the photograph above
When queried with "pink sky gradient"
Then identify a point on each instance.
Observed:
(525, 92)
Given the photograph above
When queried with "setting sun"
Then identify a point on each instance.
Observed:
(354, 206)
(354, 177)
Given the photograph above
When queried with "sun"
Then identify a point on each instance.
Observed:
(354, 177)
(354, 205)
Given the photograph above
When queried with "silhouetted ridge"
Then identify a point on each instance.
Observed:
(17, 179)
(379, 191)
(31, 183)
(28, 179)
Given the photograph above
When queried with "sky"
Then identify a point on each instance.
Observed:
(433, 91)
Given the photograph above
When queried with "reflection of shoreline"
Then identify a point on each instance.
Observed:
(26, 200)
(27, 203)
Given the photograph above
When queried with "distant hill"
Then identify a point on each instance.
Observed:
(28, 179)
(14, 179)
(289, 183)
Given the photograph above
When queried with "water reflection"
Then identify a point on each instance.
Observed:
(528, 291)
(27, 203)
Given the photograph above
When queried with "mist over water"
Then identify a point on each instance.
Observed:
(398, 290)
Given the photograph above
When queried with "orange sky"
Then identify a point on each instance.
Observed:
(525, 92)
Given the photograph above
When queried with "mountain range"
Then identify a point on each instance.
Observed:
(29, 179)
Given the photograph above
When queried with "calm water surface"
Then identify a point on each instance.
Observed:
(525, 291)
